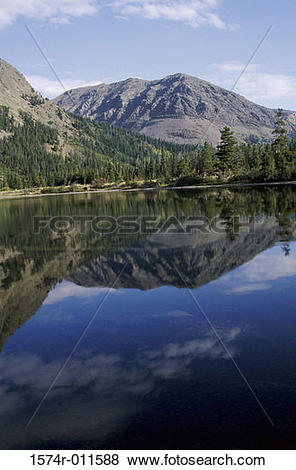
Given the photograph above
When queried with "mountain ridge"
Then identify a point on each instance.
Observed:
(178, 108)
(42, 145)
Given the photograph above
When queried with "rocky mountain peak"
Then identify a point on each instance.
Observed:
(178, 108)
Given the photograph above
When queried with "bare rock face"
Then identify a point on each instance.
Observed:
(178, 108)
(18, 95)
(292, 119)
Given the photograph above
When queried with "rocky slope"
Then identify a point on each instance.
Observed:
(178, 108)
(18, 95)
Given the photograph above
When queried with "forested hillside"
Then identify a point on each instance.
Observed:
(99, 153)
(29, 153)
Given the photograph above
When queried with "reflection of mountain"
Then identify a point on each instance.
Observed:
(31, 265)
(150, 264)
(199, 258)
(26, 294)
(150, 355)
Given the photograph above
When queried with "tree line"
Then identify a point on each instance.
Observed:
(30, 157)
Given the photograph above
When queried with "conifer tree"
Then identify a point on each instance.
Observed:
(268, 164)
(207, 159)
(226, 151)
(280, 145)
(182, 167)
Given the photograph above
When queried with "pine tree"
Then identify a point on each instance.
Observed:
(268, 164)
(256, 159)
(280, 145)
(182, 167)
(207, 159)
(226, 151)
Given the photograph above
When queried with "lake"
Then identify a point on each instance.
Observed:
(149, 320)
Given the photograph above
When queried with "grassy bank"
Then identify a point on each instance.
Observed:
(139, 186)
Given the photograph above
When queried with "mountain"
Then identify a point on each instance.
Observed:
(42, 145)
(178, 108)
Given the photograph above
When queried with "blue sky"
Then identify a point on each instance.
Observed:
(93, 41)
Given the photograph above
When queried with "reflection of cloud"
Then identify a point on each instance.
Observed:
(259, 274)
(174, 314)
(9, 401)
(103, 391)
(68, 289)
(247, 288)
(174, 359)
(105, 370)
(270, 266)
(88, 387)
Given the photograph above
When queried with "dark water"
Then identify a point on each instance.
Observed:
(193, 347)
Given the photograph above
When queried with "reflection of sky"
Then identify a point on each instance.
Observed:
(145, 346)
(262, 272)
(260, 292)
(66, 290)
(106, 388)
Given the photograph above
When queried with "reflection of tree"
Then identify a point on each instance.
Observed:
(286, 249)
(285, 210)
(286, 226)
(230, 229)
(228, 214)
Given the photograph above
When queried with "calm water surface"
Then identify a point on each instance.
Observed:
(150, 372)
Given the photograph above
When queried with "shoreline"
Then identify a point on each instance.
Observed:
(159, 188)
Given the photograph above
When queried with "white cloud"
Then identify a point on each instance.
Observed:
(236, 67)
(255, 84)
(192, 12)
(52, 88)
(55, 10)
